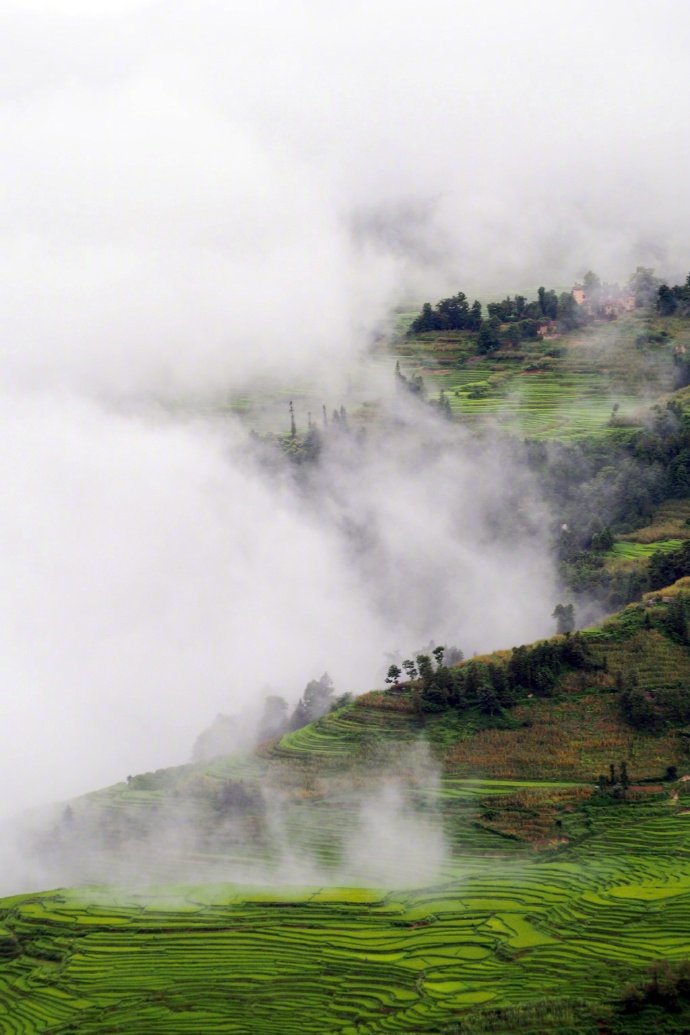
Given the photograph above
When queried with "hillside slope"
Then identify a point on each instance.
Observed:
(544, 891)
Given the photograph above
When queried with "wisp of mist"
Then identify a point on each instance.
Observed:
(301, 829)
(157, 573)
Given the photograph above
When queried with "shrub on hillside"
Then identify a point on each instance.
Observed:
(667, 985)
(651, 710)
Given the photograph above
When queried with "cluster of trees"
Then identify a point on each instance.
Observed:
(439, 685)
(413, 384)
(666, 985)
(442, 405)
(667, 444)
(596, 487)
(492, 686)
(511, 309)
(615, 784)
(450, 314)
(586, 574)
(674, 300)
(301, 446)
(230, 733)
(513, 320)
(509, 321)
(562, 308)
(652, 710)
(644, 286)
(666, 568)
(318, 698)
(537, 668)
(676, 618)
(647, 290)
(565, 617)
(601, 487)
(601, 298)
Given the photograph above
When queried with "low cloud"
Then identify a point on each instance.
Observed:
(195, 194)
(290, 827)
(158, 572)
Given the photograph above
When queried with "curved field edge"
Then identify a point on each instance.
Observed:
(503, 936)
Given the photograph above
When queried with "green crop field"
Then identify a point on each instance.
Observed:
(596, 381)
(500, 935)
(631, 551)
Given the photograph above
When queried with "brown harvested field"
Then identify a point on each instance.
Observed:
(386, 700)
(656, 660)
(531, 814)
(669, 522)
(575, 739)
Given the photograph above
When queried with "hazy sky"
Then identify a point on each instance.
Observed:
(192, 194)
(185, 186)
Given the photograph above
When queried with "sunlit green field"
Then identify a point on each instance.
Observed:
(500, 934)
(633, 554)
(633, 551)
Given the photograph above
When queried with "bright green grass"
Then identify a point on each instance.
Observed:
(635, 551)
(500, 934)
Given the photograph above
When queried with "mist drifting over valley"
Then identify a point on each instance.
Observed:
(198, 195)
(163, 574)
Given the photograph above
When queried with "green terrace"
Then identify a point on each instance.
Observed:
(632, 551)
(595, 381)
(501, 935)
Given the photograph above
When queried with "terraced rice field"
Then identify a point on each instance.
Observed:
(331, 740)
(543, 902)
(658, 661)
(349, 960)
(632, 551)
(566, 388)
(500, 931)
(319, 781)
(564, 400)
(633, 555)
(569, 395)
